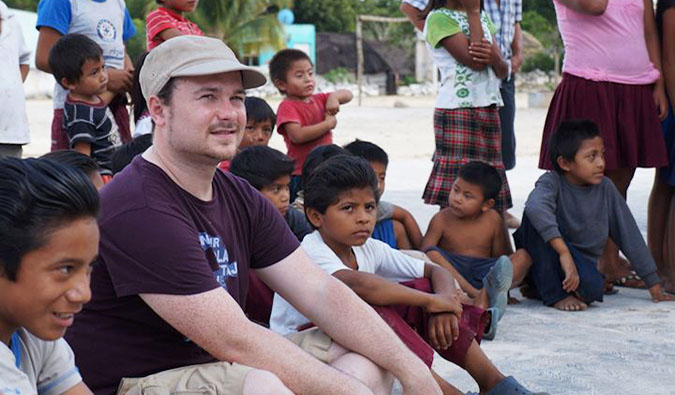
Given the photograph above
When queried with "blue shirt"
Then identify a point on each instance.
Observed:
(505, 16)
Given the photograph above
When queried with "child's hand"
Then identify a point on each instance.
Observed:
(483, 52)
(120, 81)
(471, 5)
(661, 101)
(332, 105)
(571, 281)
(443, 330)
(658, 295)
(437, 303)
(331, 120)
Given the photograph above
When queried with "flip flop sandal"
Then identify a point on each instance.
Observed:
(511, 386)
(497, 284)
(630, 281)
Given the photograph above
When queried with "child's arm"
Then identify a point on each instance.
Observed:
(472, 8)
(485, 53)
(652, 41)
(501, 245)
(83, 147)
(443, 328)
(591, 7)
(668, 53)
(431, 239)
(412, 229)
(377, 291)
(571, 281)
(413, 14)
(302, 134)
(169, 33)
(337, 98)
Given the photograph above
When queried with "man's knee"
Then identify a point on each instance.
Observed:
(262, 382)
(366, 371)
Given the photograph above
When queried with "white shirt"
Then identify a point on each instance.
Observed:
(373, 257)
(13, 52)
(45, 367)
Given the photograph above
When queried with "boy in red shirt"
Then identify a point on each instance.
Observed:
(305, 119)
(167, 21)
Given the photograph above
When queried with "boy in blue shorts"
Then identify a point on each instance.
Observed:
(395, 225)
(48, 245)
(569, 216)
(468, 238)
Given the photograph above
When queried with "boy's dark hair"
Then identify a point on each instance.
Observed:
(335, 176)
(368, 151)
(68, 55)
(124, 154)
(281, 62)
(567, 139)
(317, 156)
(137, 99)
(37, 196)
(73, 158)
(257, 110)
(483, 175)
(261, 165)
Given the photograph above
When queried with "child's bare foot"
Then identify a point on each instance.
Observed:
(570, 303)
(511, 221)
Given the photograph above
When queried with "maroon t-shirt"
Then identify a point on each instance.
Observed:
(158, 238)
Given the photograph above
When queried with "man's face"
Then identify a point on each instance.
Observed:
(205, 118)
(52, 283)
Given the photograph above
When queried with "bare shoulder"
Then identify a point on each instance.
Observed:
(494, 220)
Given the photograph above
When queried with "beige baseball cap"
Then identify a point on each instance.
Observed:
(185, 56)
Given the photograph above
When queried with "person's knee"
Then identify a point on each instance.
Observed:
(366, 371)
(262, 382)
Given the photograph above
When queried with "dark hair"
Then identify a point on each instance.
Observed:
(435, 4)
(37, 196)
(317, 156)
(368, 151)
(257, 110)
(73, 158)
(567, 139)
(335, 176)
(124, 154)
(484, 176)
(137, 99)
(261, 165)
(166, 93)
(282, 61)
(68, 55)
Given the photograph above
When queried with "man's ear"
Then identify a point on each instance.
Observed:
(157, 110)
(314, 217)
(487, 205)
(563, 163)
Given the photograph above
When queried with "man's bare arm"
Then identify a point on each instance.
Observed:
(347, 319)
(590, 7)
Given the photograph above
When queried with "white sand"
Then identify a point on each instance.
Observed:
(625, 345)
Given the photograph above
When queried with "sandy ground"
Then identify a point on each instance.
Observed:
(622, 346)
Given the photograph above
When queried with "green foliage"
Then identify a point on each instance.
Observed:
(539, 61)
(326, 15)
(139, 8)
(407, 80)
(542, 29)
(544, 8)
(338, 75)
(26, 5)
(136, 44)
(246, 26)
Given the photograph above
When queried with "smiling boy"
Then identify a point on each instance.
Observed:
(569, 216)
(48, 243)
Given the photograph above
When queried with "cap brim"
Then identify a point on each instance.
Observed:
(251, 78)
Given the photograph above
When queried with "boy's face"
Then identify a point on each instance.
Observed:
(380, 170)
(299, 80)
(350, 221)
(279, 193)
(588, 166)
(467, 199)
(52, 282)
(180, 5)
(93, 79)
(257, 133)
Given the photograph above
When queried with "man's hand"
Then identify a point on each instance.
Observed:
(331, 120)
(120, 81)
(658, 295)
(571, 281)
(332, 105)
(471, 6)
(516, 62)
(443, 330)
(660, 100)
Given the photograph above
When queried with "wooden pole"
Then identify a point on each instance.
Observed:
(359, 56)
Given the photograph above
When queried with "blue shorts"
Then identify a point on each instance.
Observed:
(384, 231)
(471, 268)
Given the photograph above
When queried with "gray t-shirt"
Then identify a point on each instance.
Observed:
(385, 210)
(31, 365)
(585, 216)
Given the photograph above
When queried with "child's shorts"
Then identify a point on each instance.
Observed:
(384, 232)
(471, 268)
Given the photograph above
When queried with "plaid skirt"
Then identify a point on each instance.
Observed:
(463, 135)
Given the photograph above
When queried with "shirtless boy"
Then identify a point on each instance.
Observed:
(468, 239)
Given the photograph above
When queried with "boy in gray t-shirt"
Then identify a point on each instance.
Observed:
(569, 216)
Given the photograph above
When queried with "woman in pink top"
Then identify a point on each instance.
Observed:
(611, 75)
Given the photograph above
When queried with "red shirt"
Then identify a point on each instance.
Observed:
(161, 19)
(305, 113)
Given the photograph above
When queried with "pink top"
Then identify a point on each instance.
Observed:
(610, 47)
(305, 113)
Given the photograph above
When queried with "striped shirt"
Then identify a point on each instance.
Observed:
(505, 16)
(93, 124)
(162, 19)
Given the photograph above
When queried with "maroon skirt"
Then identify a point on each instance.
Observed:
(626, 115)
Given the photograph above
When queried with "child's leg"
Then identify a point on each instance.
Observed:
(658, 226)
(402, 240)
(522, 262)
(446, 388)
(669, 250)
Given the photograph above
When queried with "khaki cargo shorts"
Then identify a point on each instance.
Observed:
(223, 378)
